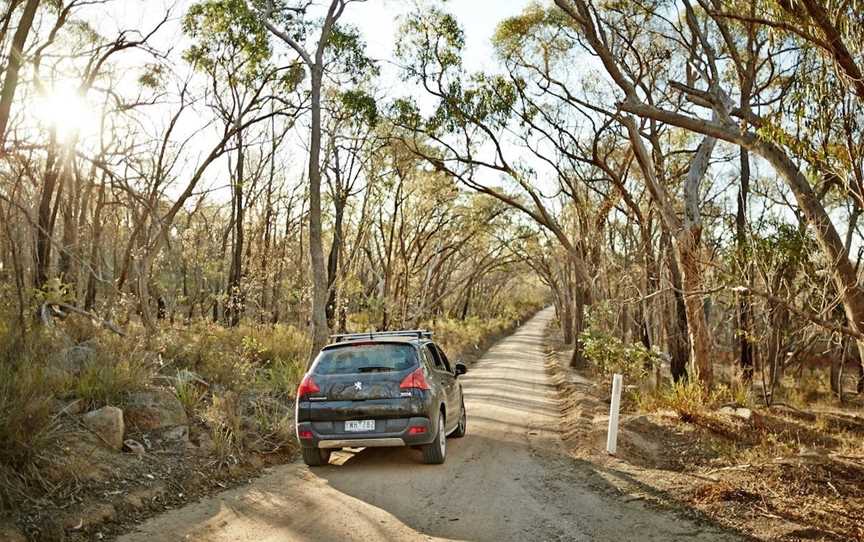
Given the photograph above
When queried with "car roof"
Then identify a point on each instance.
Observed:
(398, 336)
(379, 340)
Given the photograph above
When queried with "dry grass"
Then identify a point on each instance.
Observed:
(788, 472)
(237, 386)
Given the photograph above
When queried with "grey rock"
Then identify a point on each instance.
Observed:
(159, 413)
(107, 423)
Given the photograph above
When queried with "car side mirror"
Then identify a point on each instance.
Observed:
(460, 368)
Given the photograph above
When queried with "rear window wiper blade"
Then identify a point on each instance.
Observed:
(374, 369)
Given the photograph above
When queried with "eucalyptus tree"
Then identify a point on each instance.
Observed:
(466, 136)
(232, 48)
(15, 58)
(809, 47)
(294, 23)
(429, 244)
(352, 139)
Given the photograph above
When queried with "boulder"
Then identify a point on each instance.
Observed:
(107, 423)
(744, 413)
(159, 412)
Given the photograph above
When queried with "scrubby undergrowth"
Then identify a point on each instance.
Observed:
(236, 386)
(791, 471)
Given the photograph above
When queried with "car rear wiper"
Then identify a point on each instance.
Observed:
(374, 369)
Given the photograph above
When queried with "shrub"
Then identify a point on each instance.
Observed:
(282, 377)
(189, 391)
(690, 399)
(234, 358)
(25, 413)
(274, 423)
(106, 379)
(27, 425)
(610, 355)
(224, 420)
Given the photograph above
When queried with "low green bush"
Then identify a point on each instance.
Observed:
(609, 355)
(238, 358)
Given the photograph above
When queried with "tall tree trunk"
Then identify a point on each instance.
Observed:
(699, 335)
(577, 361)
(64, 259)
(142, 289)
(44, 229)
(689, 248)
(90, 292)
(333, 258)
(13, 67)
(320, 330)
(745, 306)
(234, 308)
(567, 314)
(266, 272)
(652, 285)
(676, 321)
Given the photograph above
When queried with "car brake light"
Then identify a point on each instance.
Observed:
(416, 430)
(417, 380)
(304, 434)
(307, 387)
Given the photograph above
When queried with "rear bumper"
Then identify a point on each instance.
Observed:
(362, 443)
(330, 434)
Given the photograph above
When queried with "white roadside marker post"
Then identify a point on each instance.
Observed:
(614, 407)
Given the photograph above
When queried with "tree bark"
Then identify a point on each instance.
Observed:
(745, 306)
(676, 320)
(577, 361)
(334, 256)
(13, 67)
(320, 329)
(45, 222)
(235, 303)
(95, 246)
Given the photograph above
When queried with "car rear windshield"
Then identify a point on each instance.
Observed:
(366, 358)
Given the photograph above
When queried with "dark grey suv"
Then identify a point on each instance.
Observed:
(380, 389)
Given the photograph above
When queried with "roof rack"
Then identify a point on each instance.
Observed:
(419, 333)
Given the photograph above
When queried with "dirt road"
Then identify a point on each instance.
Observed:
(507, 480)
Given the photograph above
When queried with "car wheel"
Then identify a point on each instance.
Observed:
(435, 452)
(460, 430)
(316, 457)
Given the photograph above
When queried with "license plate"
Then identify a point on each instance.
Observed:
(362, 425)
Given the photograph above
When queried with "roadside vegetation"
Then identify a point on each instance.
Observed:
(181, 228)
(166, 273)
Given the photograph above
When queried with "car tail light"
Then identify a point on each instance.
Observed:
(307, 387)
(305, 435)
(416, 430)
(417, 380)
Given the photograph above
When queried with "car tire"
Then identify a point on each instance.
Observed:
(462, 428)
(316, 457)
(435, 452)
